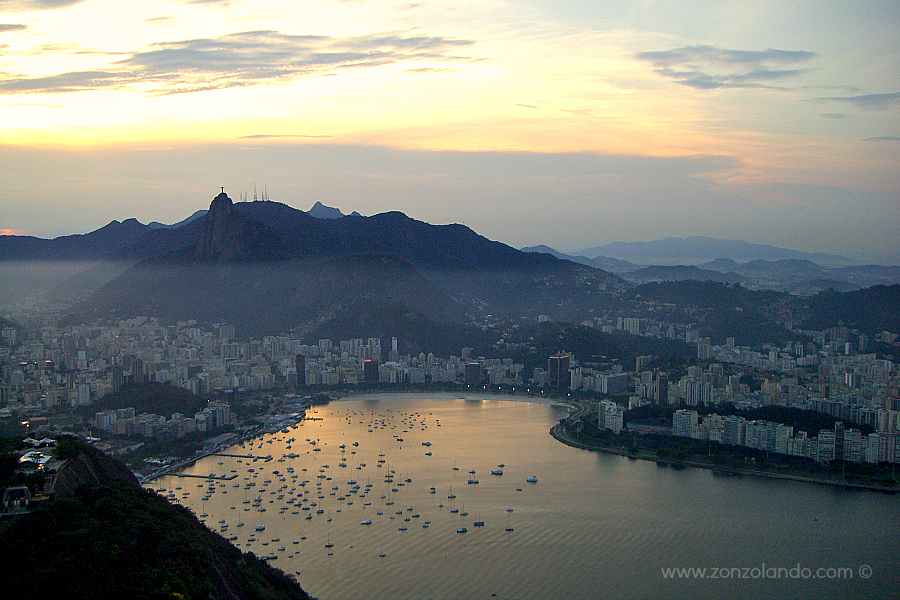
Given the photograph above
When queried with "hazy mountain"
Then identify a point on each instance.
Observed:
(804, 276)
(104, 243)
(606, 263)
(320, 211)
(193, 217)
(681, 273)
(696, 250)
(268, 268)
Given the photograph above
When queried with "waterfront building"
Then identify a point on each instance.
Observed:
(682, 421)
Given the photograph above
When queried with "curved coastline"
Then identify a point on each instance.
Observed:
(559, 435)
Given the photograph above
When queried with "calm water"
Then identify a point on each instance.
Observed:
(593, 526)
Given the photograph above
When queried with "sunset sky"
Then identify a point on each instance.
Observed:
(569, 123)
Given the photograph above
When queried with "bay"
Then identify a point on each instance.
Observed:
(592, 526)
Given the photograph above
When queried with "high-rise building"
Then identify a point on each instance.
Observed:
(474, 373)
(300, 363)
(370, 370)
(558, 370)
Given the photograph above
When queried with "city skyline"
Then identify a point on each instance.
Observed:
(560, 124)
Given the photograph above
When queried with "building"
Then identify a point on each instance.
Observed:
(611, 416)
(370, 370)
(474, 373)
(558, 370)
(682, 421)
(300, 364)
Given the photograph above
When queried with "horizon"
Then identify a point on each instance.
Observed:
(566, 125)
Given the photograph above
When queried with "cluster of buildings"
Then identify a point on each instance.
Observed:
(48, 367)
(850, 445)
(62, 367)
(124, 422)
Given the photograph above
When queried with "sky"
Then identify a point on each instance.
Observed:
(566, 123)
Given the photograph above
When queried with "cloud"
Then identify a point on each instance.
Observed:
(710, 67)
(218, 2)
(268, 136)
(34, 104)
(160, 20)
(20, 6)
(883, 138)
(868, 101)
(12, 27)
(238, 59)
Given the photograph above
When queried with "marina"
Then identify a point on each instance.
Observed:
(352, 513)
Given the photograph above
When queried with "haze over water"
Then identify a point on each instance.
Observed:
(593, 526)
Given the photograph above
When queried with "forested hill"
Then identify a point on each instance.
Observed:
(107, 537)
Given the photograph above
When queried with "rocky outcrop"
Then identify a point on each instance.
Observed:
(229, 236)
(91, 468)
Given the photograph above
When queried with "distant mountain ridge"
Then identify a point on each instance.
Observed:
(699, 249)
(268, 269)
(606, 263)
(794, 275)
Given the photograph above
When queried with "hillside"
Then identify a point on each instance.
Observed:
(722, 311)
(267, 268)
(268, 298)
(871, 310)
(106, 537)
(150, 397)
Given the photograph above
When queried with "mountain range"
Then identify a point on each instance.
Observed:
(794, 272)
(700, 249)
(268, 268)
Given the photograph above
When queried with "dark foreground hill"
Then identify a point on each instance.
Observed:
(104, 536)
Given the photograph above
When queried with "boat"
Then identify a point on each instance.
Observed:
(532, 479)
(260, 527)
(497, 472)
(366, 522)
(461, 530)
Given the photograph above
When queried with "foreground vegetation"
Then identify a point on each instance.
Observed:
(112, 538)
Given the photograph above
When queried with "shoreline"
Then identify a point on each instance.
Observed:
(479, 396)
(366, 397)
(559, 436)
(575, 407)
